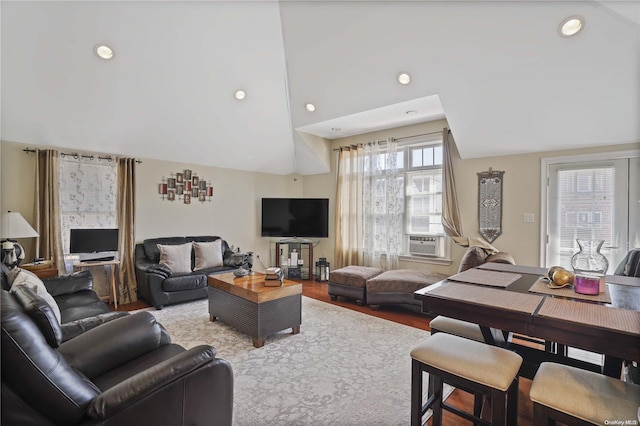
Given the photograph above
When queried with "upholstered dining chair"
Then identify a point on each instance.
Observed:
(630, 265)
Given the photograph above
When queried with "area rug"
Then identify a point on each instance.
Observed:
(344, 368)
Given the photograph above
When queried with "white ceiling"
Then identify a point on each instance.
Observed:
(498, 70)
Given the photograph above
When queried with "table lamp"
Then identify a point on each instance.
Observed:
(14, 226)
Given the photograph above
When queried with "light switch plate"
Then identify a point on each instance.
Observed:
(528, 218)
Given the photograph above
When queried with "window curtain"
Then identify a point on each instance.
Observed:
(47, 208)
(369, 206)
(349, 208)
(87, 194)
(127, 289)
(450, 211)
(383, 205)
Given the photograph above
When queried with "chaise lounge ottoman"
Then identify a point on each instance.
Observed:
(397, 287)
(350, 282)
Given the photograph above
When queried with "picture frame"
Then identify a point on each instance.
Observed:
(171, 183)
(187, 198)
(195, 179)
(179, 177)
(194, 192)
(202, 196)
(187, 175)
(180, 188)
(202, 185)
(171, 195)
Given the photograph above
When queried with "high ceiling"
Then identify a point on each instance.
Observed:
(499, 71)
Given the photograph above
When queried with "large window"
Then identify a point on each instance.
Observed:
(419, 178)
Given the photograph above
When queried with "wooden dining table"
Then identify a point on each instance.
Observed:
(506, 299)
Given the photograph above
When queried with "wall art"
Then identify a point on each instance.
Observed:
(184, 186)
(490, 204)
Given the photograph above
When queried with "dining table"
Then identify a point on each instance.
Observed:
(514, 300)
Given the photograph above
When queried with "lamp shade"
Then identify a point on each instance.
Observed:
(15, 226)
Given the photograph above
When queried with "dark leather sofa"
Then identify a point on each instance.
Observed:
(124, 372)
(159, 286)
(80, 307)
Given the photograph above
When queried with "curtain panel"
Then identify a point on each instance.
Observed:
(369, 206)
(127, 288)
(47, 208)
(349, 208)
(383, 205)
(450, 212)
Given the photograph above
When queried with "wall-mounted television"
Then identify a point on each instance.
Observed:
(295, 217)
(94, 244)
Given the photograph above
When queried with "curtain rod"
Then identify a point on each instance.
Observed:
(76, 156)
(394, 139)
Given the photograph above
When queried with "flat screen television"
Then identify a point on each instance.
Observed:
(295, 217)
(94, 244)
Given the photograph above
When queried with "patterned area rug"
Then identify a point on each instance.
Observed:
(344, 368)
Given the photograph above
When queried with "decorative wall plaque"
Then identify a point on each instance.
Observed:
(490, 204)
(184, 186)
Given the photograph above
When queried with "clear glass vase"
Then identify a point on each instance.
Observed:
(589, 259)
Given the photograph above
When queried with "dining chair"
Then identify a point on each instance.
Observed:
(577, 397)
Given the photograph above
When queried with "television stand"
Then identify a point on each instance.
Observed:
(304, 253)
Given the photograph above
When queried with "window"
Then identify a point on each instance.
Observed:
(420, 178)
(88, 195)
(588, 198)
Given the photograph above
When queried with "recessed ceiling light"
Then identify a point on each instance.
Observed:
(571, 26)
(404, 78)
(335, 129)
(103, 51)
(411, 112)
(240, 94)
(310, 107)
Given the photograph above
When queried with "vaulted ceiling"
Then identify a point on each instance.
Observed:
(499, 71)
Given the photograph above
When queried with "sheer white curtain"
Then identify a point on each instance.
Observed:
(383, 205)
(370, 206)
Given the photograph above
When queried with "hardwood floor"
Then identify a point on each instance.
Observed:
(463, 400)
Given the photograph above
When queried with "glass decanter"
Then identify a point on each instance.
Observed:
(589, 259)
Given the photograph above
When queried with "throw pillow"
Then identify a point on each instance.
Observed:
(20, 277)
(40, 312)
(208, 255)
(474, 256)
(177, 257)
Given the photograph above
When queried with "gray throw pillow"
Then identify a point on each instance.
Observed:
(176, 257)
(20, 277)
(208, 255)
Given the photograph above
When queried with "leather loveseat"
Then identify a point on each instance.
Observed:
(160, 285)
(124, 372)
(80, 307)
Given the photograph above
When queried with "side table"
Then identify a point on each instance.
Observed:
(112, 297)
(46, 269)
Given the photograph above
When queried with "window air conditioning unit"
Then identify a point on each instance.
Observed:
(423, 245)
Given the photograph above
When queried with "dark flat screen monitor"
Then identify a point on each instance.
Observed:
(94, 241)
(295, 217)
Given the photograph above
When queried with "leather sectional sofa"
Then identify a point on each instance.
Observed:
(123, 372)
(80, 307)
(161, 286)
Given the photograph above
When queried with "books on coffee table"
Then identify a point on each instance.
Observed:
(273, 277)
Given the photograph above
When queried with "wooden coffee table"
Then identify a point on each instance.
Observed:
(246, 304)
